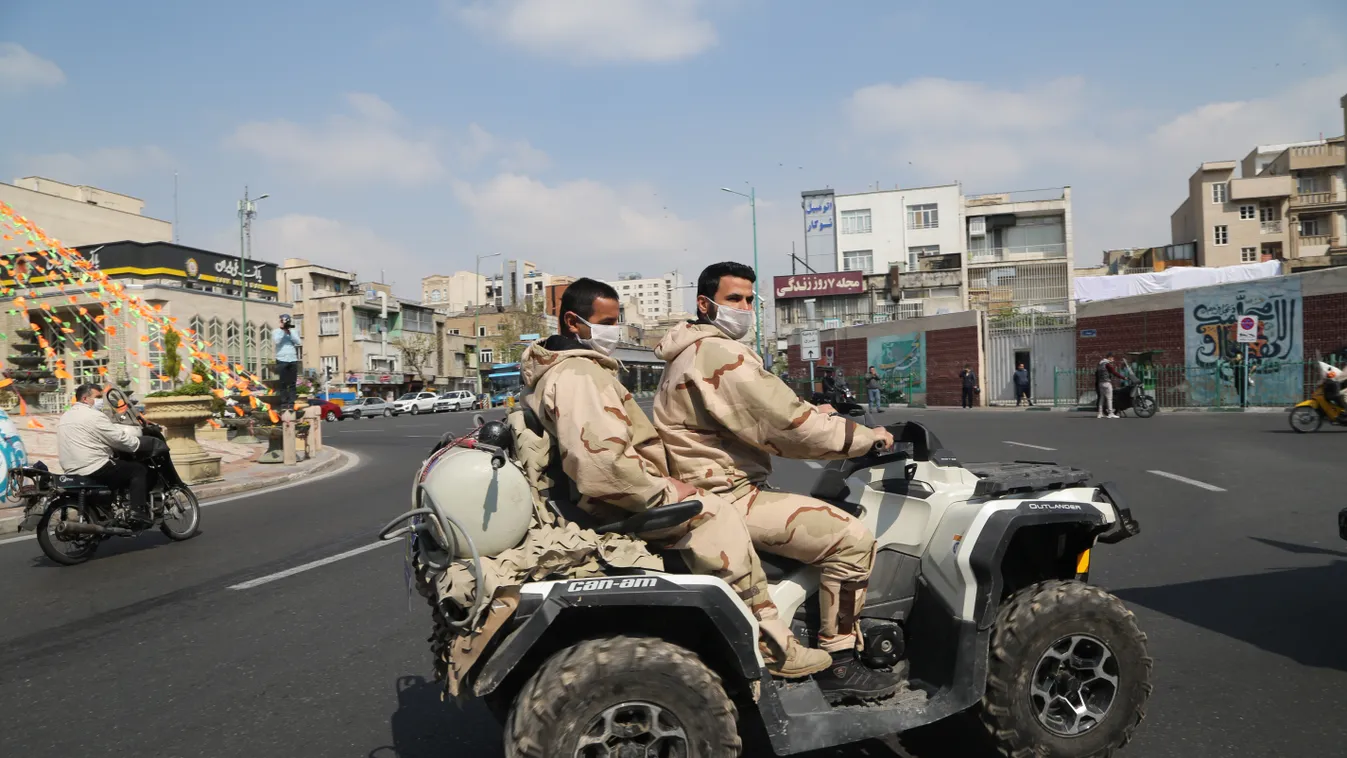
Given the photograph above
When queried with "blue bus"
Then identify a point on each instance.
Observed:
(502, 379)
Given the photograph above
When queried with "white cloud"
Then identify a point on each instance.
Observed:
(21, 70)
(96, 166)
(1128, 169)
(371, 146)
(582, 222)
(596, 31)
(341, 245)
(510, 155)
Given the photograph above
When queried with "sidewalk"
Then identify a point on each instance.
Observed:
(239, 469)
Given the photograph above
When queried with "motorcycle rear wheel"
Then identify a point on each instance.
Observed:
(67, 552)
(1145, 406)
(182, 514)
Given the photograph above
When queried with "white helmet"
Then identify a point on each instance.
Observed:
(494, 506)
(1329, 371)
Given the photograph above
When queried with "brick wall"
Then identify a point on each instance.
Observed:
(1130, 332)
(947, 352)
(1325, 325)
(849, 357)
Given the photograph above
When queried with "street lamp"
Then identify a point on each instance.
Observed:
(477, 315)
(757, 301)
(247, 211)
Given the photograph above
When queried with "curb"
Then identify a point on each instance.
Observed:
(10, 524)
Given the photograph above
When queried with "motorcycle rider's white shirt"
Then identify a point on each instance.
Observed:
(86, 439)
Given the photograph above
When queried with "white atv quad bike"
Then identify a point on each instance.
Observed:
(979, 597)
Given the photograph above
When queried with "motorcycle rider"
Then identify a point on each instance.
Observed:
(1333, 380)
(87, 442)
(722, 416)
(617, 464)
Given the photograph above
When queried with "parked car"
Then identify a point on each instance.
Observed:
(331, 411)
(368, 407)
(455, 400)
(415, 403)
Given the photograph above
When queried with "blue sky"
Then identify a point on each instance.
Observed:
(591, 136)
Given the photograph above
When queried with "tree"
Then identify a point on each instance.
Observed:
(172, 364)
(417, 350)
(530, 320)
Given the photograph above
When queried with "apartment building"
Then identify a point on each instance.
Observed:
(1020, 252)
(519, 284)
(454, 293)
(649, 300)
(82, 215)
(1289, 202)
(880, 229)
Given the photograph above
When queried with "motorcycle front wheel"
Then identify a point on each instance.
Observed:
(65, 550)
(1145, 406)
(1305, 419)
(182, 514)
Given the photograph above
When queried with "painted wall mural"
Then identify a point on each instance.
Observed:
(1215, 358)
(900, 360)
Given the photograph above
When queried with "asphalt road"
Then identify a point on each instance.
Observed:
(147, 651)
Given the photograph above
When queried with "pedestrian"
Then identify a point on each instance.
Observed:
(1022, 385)
(969, 378)
(287, 362)
(872, 385)
(1103, 376)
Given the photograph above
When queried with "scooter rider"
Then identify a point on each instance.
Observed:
(1333, 380)
(87, 442)
(722, 416)
(617, 464)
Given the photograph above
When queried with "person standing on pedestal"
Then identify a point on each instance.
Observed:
(287, 362)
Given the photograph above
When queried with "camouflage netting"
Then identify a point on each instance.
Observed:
(547, 552)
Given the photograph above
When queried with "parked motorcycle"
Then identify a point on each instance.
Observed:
(82, 512)
(843, 401)
(1130, 395)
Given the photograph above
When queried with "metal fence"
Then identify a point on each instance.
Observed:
(1270, 384)
(894, 389)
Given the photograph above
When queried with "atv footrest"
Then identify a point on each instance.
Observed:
(996, 479)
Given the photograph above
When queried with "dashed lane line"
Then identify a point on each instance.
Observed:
(261, 580)
(1026, 444)
(1186, 480)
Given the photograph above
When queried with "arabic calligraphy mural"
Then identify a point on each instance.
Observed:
(900, 360)
(1210, 343)
(818, 285)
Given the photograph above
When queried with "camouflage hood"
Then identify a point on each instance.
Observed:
(541, 357)
(682, 337)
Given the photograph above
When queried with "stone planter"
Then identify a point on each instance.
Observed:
(180, 415)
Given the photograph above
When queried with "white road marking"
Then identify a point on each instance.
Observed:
(352, 460)
(1186, 480)
(261, 580)
(813, 464)
(1026, 444)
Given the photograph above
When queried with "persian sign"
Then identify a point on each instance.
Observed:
(1211, 326)
(819, 285)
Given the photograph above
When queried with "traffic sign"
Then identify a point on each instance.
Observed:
(1246, 330)
(809, 345)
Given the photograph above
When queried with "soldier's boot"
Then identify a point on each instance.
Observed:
(797, 661)
(850, 679)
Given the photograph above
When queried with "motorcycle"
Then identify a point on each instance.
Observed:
(1129, 395)
(843, 401)
(81, 512)
(1309, 415)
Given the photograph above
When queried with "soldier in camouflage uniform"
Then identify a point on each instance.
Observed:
(616, 462)
(722, 417)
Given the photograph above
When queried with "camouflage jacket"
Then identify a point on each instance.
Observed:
(722, 416)
(609, 448)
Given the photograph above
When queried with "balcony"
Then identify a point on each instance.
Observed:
(1324, 241)
(1258, 187)
(944, 262)
(1270, 227)
(1317, 156)
(1316, 199)
(1031, 252)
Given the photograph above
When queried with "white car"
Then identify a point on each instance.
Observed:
(455, 400)
(414, 403)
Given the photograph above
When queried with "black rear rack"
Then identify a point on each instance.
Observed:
(999, 479)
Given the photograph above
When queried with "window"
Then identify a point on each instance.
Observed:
(925, 216)
(415, 320)
(1248, 255)
(329, 363)
(364, 324)
(1309, 183)
(155, 351)
(486, 356)
(919, 251)
(1246, 213)
(1218, 192)
(453, 331)
(1268, 212)
(296, 291)
(329, 324)
(1309, 227)
(1221, 234)
(856, 222)
(481, 331)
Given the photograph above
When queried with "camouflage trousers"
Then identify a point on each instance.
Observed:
(717, 543)
(813, 532)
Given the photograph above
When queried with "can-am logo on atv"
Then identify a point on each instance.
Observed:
(1054, 506)
(598, 585)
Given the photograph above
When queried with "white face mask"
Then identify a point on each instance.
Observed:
(733, 322)
(98, 404)
(602, 337)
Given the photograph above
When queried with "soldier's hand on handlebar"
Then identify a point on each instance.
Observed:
(883, 440)
(826, 409)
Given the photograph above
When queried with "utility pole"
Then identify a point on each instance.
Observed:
(247, 211)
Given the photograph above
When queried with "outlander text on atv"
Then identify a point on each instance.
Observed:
(979, 598)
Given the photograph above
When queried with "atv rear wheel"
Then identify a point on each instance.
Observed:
(622, 696)
(1068, 673)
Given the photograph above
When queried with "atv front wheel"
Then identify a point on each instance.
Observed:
(622, 696)
(1068, 673)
